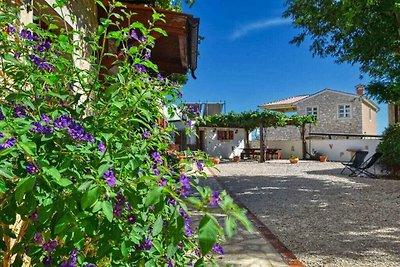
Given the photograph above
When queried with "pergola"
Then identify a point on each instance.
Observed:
(250, 120)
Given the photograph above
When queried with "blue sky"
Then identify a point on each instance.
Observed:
(246, 59)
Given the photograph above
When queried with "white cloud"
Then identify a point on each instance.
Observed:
(258, 25)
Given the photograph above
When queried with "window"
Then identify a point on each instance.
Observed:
(312, 111)
(344, 111)
(225, 135)
(370, 114)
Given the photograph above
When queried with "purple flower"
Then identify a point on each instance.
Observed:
(142, 39)
(131, 218)
(89, 265)
(62, 121)
(214, 199)
(101, 147)
(47, 130)
(162, 182)
(117, 211)
(67, 264)
(7, 144)
(180, 94)
(120, 198)
(185, 188)
(109, 177)
(160, 77)
(146, 135)
(47, 261)
(17, 55)
(31, 168)
(11, 29)
(45, 118)
(37, 127)
(50, 245)
(38, 238)
(19, 112)
(90, 138)
(170, 263)
(156, 171)
(147, 244)
(186, 217)
(128, 206)
(73, 255)
(140, 68)
(217, 248)
(27, 35)
(157, 157)
(34, 217)
(2, 117)
(1, 135)
(199, 165)
(147, 55)
(133, 35)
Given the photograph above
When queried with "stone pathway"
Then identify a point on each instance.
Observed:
(247, 249)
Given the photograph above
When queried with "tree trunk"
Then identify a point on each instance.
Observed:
(246, 143)
(262, 148)
(303, 140)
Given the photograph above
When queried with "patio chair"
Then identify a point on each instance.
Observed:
(368, 164)
(356, 162)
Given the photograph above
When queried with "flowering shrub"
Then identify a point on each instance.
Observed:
(85, 175)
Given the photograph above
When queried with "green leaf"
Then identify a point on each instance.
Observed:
(89, 197)
(107, 209)
(28, 147)
(153, 196)
(63, 223)
(199, 263)
(230, 226)
(6, 173)
(208, 230)
(2, 186)
(63, 182)
(25, 185)
(124, 249)
(53, 172)
(158, 225)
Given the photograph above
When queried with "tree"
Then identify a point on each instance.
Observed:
(366, 32)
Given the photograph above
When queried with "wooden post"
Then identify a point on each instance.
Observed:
(262, 148)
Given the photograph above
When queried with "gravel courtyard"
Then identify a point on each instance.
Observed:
(323, 217)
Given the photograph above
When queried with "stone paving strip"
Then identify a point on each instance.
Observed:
(246, 249)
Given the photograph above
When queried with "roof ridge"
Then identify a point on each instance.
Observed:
(285, 99)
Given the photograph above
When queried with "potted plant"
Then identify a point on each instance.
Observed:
(215, 160)
(323, 158)
(294, 159)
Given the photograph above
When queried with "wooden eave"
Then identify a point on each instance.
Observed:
(175, 53)
(279, 108)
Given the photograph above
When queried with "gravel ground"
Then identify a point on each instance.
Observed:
(323, 217)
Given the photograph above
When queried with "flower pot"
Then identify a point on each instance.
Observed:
(215, 160)
(236, 159)
(323, 158)
(294, 160)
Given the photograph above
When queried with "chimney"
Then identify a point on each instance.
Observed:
(360, 89)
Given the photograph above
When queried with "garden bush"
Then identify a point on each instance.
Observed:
(86, 178)
(390, 149)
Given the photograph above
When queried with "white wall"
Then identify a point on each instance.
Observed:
(223, 149)
(338, 150)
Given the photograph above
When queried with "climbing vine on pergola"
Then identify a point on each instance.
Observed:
(250, 120)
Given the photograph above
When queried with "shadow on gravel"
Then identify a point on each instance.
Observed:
(351, 220)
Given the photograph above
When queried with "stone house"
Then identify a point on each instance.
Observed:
(337, 112)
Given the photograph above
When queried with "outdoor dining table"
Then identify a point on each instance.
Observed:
(269, 152)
